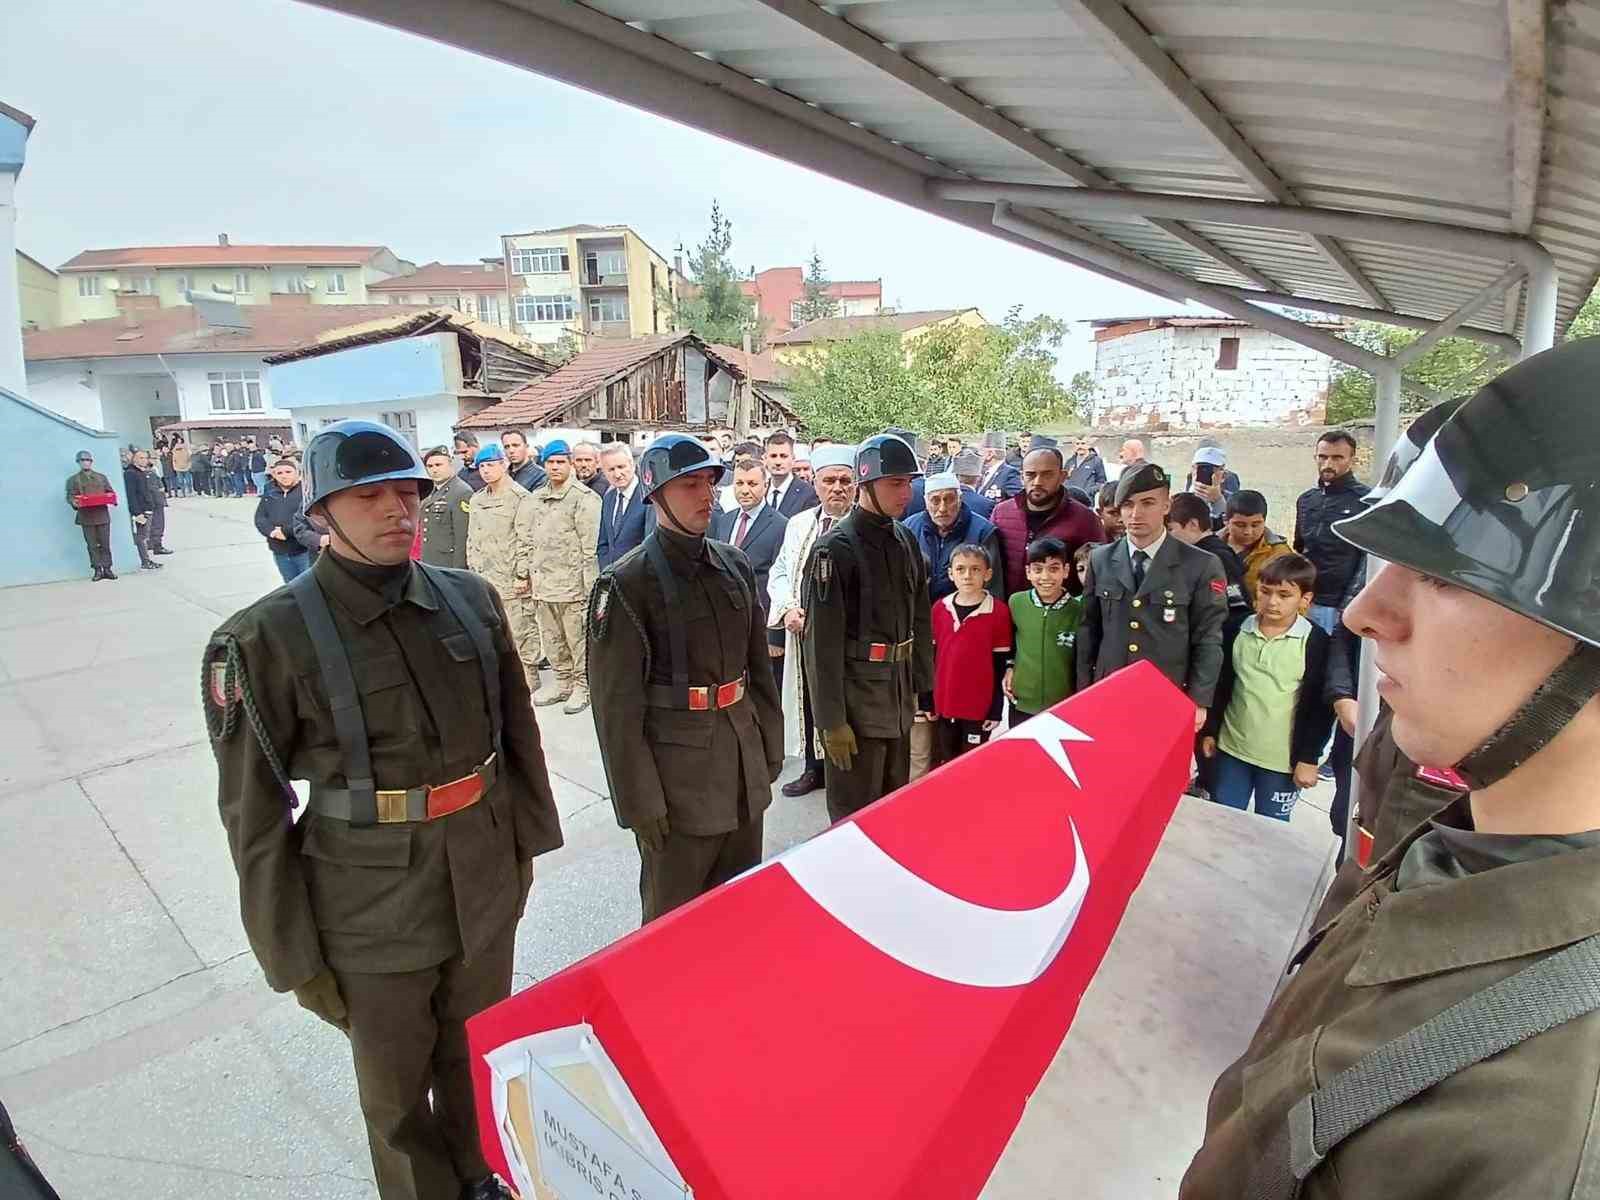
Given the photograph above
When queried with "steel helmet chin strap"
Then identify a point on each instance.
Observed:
(1551, 708)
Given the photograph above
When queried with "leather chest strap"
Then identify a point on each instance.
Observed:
(343, 699)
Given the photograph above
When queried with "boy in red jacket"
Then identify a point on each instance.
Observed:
(972, 641)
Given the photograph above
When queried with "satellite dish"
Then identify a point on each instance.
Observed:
(309, 284)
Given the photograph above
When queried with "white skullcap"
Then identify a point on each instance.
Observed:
(943, 481)
(830, 454)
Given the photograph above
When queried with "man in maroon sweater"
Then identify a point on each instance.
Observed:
(1042, 509)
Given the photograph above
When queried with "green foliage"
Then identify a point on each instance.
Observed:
(1587, 322)
(951, 379)
(563, 347)
(712, 305)
(816, 303)
(1455, 367)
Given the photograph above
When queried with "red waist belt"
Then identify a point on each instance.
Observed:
(94, 499)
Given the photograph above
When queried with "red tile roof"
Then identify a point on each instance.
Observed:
(220, 256)
(444, 276)
(856, 288)
(832, 329)
(761, 367)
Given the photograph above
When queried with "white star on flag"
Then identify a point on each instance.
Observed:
(1052, 734)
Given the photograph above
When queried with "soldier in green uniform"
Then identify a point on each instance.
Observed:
(445, 512)
(391, 908)
(1439, 1036)
(93, 519)
(868, 640)
(677, 643)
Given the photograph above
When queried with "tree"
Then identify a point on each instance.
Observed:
(563, 348)
(1587, 322)
(1455, 367)
(711, 304)
(816, 303)
(857, 387)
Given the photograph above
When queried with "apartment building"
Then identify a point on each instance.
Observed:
(38, 293)
(99, 283)
(778, 292)
(591, 280)
(476, 289)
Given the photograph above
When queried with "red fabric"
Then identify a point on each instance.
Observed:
(963, 662)
(94, 499)
(416, 543)
(829, 1068)
(1072, 523)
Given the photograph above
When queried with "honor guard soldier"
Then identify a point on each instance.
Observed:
(868, 641)
(91, 496)
(678, 649)
(1439, 1036)
(445, 512)
(1151, 597)
(390, 909)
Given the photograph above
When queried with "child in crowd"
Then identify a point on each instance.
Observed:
(972, 643)
(1190, 521)
(1045, 619)
(1105, 507)
(1270, 718)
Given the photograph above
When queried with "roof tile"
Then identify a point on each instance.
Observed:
(832, 329)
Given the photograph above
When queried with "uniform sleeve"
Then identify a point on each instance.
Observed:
(460, 522)
(589, 537)
(829, 577)
(265, 844)
(922, 628)
(536, 824)
(619, 658)
(763, 686)
(1088, 630)
(522, 533)
(304, 532)
(1208, 609)
(474, 543)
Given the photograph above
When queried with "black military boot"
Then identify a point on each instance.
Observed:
(99, 574)
(108, 573)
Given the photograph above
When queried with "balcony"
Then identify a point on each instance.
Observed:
(591, 276)
(610, 329)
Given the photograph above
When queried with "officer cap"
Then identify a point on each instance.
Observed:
(885, 455)
(994, 440)
(672, 455)
(1147, 478)
(490, 453)
(556, 449)
(351, 453)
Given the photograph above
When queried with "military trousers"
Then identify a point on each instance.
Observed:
(690, 865)
(880, 766)
(561, 629)
(408, 1036)
(922, 745)
(524, 632)
(98, 540)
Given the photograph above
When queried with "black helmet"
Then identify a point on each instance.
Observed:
(674, 454)
(349, 453)
(884, 455)
(1408, 447)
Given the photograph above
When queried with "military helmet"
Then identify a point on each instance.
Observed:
(884, 455)
(349, 454)
(1408, 447)
(672, 455)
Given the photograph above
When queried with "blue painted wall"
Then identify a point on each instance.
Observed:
(33, 495)
(13, 144)
(385, 373)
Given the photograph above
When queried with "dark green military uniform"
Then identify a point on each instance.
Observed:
(415, 918)
(95, 522)
(444, 524)
(1173, 620)
(868, 650)
(707, 768)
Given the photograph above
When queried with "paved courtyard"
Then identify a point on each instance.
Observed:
(141, 1054)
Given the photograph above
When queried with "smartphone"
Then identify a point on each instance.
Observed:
(1205, 473)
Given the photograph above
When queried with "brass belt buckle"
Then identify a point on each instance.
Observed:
(391, 807)
(699, 699)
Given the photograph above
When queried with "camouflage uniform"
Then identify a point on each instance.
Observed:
(563, 567)
(499, 537)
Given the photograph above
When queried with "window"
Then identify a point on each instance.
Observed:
(141, 285)
(235, 391)
(88, 285)
(489, 309)
(1228, 356)
(608, 308)
(535, 309)
(295, 284)
(182, 284)
(605, 262)
(403, 423)
(336, 283)
(542, 260)
(241, 283)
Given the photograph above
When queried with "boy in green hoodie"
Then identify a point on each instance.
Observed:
(1045, 621)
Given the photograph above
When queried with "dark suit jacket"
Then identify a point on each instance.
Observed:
(800, 496)
(629, 533)
(762, 541)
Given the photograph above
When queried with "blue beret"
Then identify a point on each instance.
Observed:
(559, 446)
(490, 453)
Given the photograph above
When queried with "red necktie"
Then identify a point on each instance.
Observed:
(744, 525)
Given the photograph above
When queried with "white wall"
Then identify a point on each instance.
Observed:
(436, 417)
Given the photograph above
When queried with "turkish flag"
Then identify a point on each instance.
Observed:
(866, 1014)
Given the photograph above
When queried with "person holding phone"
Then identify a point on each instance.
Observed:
(1210, 479)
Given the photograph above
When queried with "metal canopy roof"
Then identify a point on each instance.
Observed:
(1478, 114)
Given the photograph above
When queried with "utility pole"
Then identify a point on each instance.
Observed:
(744, 402)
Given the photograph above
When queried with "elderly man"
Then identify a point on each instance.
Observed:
(833, 469)
(136, 486)
(444, 512)
(562, 567)
(1085, 469)
(499, 539)
(802, 464)
(1133, 454)
(1000, 479)
(623, 511)
(1043, 510)
(586, 467)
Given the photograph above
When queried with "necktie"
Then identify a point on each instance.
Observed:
(1140, 560)
(744, 526)
(826, 522)
(616, 512)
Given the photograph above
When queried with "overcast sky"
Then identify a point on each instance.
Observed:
(175, 120)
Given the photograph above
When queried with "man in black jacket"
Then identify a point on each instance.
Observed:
(136, 485)
(521, 461)
(280, 519)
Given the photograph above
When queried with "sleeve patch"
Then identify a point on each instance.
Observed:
(1219, 587)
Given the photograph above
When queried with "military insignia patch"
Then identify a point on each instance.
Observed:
(221, 694)
(824, 570)
(466, 506)
(1218, 586)
(602, 604)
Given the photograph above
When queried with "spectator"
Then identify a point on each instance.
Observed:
(726, 501)
(1108, 512)
(967, 466)
(999, 480)
(445, 513)
(1270, 718)
(1190, 521)
(1044, 621)
(169, 473)
(466, 444)
(1132, 455)
(258, 468)
(788, 494)
(802, 464)
(623, 511)
(136, 486)
(182, 468)
(281, 520)
(562, 568)
(1210, 479)
(238, 465)
(157, 531)
(217, 468)
(757, 529)
(521, 460)
(972, 645)
(1043, 510)
(586, 466)
(1247, 536)
(725, 443)
(1341, 568)
(1085, 469)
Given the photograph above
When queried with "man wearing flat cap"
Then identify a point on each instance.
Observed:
(1149, 596)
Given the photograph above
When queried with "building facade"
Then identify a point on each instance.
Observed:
(1199, 371)
(38, 293)
(476, 289)
(15, 127)
(805, 343)
(587, 280)
(778, 291)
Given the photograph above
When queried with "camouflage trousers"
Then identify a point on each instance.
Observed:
(520, 614)
(561, 627)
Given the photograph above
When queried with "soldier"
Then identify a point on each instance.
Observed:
(87, 492)
(445, 512)
(391, 908)
(1149, 596)
(499, 541)
(678, 649)
(562, 566)
(868, 641)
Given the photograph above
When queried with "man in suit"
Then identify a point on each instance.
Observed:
(622, 508)
(1000, 480)
(757, 529)
(789, 493)
(1149, 596)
